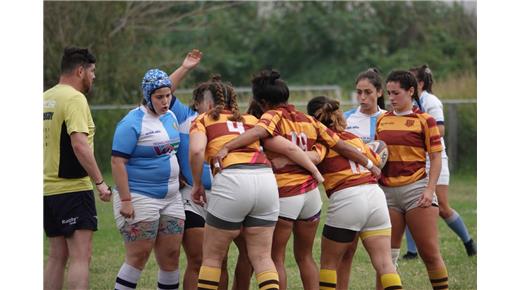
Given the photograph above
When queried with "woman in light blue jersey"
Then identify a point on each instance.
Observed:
(429, 103)
(362, 122)
(370, 96)
(147, 203)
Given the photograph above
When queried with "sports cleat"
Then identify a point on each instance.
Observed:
(471, 249)
(410, 256)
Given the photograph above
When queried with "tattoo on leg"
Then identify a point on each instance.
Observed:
(171, 225)
(140, 231)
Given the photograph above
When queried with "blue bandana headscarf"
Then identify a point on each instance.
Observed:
(154, 79)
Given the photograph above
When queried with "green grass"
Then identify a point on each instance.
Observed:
(108, 251)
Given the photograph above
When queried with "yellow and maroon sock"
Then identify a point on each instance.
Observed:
(439, 278)
(208, 278)
(391, 281)
(328, 279)
(268, 280)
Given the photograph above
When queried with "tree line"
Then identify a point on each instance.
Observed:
(309, 42)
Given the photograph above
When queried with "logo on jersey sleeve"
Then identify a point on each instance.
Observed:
(49, 104)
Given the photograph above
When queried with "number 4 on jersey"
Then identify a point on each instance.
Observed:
(237, 127)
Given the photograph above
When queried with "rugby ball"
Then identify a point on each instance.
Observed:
(380, 148)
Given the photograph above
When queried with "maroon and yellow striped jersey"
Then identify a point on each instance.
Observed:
(409, 138)
(221, 131)
(340, 172)
(302, 130)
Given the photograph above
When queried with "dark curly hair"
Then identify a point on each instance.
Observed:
(269, 88)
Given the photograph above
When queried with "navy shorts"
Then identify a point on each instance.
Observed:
(67, 212)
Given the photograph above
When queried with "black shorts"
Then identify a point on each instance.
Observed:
(67, 212)
(193, 220)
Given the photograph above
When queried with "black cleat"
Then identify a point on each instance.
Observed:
(410, 256)
(471, 249)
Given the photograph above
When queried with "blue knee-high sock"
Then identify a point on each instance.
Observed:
(410, 243)
(457, 225)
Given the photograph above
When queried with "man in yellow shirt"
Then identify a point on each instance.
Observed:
(69, 209)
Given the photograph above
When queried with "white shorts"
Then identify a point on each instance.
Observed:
(189, 205)
(302, 206)
(147, 209)
(444, 177)
(360, 208)
(237, 193)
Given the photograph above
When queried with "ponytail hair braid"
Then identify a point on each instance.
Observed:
(225, 97)
(327, 111)
(219, 100)
(233, 104)
(424, 74)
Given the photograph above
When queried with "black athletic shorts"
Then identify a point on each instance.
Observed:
(67, 212)
(193, 220)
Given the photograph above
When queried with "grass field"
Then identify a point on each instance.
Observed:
(108, 251)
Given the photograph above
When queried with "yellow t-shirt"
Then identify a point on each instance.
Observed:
(65, 110)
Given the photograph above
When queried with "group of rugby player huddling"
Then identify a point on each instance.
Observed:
(204, 175)
(253, 178)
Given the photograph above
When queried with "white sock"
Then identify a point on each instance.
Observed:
(167, 280)
(127, 277)
(395, 256)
